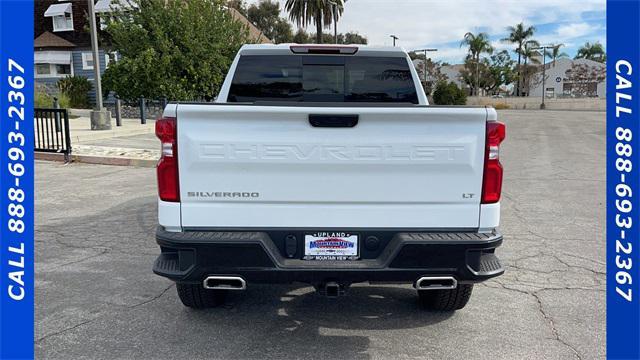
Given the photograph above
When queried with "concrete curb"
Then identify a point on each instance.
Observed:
(100, 160)
(109, 134)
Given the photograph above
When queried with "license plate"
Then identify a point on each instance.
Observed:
(331, 246)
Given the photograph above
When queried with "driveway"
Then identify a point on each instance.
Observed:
(96, 296)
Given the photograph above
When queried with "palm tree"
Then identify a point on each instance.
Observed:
(530, 54)
(519, 35)
(478, 44)
(319, 12)
(593, 52)
(554, 53)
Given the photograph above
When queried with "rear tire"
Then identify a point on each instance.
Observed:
(446, 300)
(197, 297)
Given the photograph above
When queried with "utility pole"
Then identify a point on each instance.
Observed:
(100, 118)
(425, 63)
(544, 68)
(394, 39)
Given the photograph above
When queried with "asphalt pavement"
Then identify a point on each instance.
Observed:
(97, 298)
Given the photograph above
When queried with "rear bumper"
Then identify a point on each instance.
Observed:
(260, 257)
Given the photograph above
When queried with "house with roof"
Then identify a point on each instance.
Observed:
(62, 45)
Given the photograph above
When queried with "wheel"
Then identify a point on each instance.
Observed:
(446, 300)
(197, 297)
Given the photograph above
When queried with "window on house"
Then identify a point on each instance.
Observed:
(63, 69)
(550, 92)
(61, 15)
(87, 61)
(43, 69)
(52, 70)
(111, 57)
(63, 22)
(103, 22)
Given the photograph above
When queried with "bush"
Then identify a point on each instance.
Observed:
(449, 94)
(174, 48)
(77, 89)
(44, 100)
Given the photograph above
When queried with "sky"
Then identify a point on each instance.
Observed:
(442, 24)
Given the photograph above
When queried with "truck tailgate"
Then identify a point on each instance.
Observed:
(248, 166)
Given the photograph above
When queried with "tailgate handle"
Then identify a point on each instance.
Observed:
(334, 121)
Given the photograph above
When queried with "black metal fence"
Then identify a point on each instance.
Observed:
(52, 131)
(142, 109)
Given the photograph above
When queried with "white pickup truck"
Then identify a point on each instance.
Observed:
(325, 165)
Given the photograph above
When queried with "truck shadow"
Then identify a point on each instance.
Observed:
(106, 257)
(295, 322)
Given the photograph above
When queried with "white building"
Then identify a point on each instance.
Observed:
(452, 72)
(557, 84)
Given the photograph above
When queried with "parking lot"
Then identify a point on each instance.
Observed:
(96, 296)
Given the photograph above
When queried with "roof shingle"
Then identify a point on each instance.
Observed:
(254, 32)
(49, 40)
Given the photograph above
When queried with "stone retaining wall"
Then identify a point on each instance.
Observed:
(531, 103)
(152, 111)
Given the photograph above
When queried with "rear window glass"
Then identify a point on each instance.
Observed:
(322, 79)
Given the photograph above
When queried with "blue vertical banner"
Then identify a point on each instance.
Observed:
(16, 180)
(623, 182)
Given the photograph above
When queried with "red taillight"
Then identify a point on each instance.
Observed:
(492, 179)
(167, 171)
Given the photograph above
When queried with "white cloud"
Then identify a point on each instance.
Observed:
(449, 52)
(575, 30)
(440, 23)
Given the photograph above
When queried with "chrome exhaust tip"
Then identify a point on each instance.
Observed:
(224, 283)
(436, 283)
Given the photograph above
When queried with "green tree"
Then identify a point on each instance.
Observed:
(593, 52)
(519, 35)
(238, 5)
(433, 70)
(348, 38)
(494, 72)
(477, 45)
(475, 74)
(318, 12)
(266, 16)
(174, 48)
(354, 38)
(301, 37)
(500, 71)
(531, 57)
(449, 94)
(531, 53)
(555, 53)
